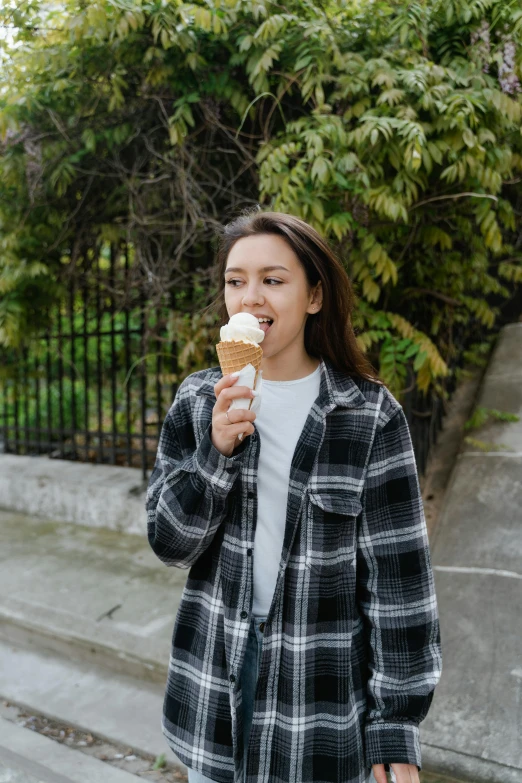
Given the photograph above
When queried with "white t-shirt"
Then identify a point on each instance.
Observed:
(284, 409)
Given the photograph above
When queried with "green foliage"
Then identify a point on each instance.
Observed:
(393, 128)
(478, 354)
(194, 333)
(160, 762)
(482, 416)
(484, 445)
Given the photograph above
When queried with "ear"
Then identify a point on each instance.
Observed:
(316, 299)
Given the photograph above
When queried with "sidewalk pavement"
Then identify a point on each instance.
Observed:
(86, 618)
(474, 727)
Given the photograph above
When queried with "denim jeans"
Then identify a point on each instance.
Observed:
(249, 675)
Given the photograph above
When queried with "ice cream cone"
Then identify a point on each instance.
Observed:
(233, 355)
(239, 348)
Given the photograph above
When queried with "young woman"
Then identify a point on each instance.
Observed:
(306, 647)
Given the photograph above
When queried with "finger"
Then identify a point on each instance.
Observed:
(405, 773)
(240, 414)
(243, 428)
(233, 393)
(378, 773)
(223, 383)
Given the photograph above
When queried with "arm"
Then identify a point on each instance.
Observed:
(396, 598)
(188, 489)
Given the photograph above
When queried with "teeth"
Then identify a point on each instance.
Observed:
(264, 320)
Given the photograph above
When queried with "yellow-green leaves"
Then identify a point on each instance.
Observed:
(273, 27)
(61, 176)
(487, 220)
(182, 118)
(384, 202)
(434, 236)
(118, 84)
(511, 270)
(379, 259)
(372, 268)
(429, 364)
(339, 224)
(391, 97)
(89, 139)
(259, 63)
(320, 170)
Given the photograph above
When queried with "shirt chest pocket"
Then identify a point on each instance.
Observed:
(331, 530)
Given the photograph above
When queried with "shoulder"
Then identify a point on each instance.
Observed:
(380, 399)
(202, 379)
(197, 383)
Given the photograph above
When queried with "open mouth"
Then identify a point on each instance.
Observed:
(265, 326)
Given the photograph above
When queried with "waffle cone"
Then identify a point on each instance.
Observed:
(233, 355)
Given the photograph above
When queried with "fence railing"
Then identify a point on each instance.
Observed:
(97, 385)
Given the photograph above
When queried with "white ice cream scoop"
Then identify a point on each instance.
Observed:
(242, 326)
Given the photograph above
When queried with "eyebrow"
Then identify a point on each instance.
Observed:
(263, 269)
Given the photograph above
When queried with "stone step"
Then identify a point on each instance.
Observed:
(94, 595)
(116, 708)
(27, 757)
(106, 496)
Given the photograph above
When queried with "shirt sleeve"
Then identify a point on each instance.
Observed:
(396, 599)
(187, 492)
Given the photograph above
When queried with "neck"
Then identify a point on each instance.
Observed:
(288, 368)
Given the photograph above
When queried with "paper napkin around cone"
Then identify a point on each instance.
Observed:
(247, 377)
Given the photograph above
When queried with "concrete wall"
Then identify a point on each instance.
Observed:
(96, 495)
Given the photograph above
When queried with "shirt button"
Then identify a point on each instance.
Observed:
(249, 552)
(232, 678)
(251, 494)
(244, 615)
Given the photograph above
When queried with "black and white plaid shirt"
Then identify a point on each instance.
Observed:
(351, 651)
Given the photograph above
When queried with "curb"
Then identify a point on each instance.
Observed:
(105, 496)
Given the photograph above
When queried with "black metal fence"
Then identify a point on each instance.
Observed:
(425, 415)
(97, 385)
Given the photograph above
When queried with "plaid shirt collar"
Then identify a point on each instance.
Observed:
(337, 390)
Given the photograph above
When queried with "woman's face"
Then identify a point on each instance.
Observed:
(280, 292)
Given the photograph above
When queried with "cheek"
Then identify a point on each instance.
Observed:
(230, 294)
(289, 312)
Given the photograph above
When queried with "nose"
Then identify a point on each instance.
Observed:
(252, 295)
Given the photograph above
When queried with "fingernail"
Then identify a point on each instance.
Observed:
(255, 393)
(235, 374)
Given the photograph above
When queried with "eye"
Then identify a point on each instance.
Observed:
(234, 280)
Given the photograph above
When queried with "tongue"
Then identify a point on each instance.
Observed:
(265, 326)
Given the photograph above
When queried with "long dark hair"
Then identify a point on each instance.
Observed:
(329, 333)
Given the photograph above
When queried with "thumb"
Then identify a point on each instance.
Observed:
(379, 773)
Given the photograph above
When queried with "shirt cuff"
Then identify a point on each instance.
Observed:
(392, 743)
(214, 468)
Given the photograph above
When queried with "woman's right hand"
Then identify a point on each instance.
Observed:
(225, 430)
